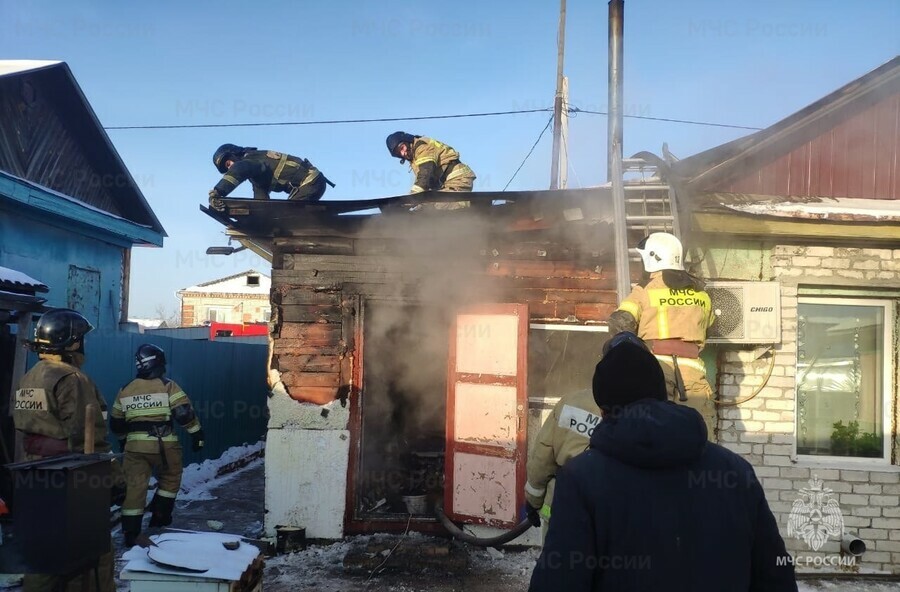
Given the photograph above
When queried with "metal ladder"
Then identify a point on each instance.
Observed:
(649, 206)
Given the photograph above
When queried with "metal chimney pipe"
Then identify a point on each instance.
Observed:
(614, 147)
(614, 128)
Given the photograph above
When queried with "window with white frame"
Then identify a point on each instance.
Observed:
(844, 369)
(216, 314)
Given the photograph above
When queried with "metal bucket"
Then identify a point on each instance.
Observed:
(289, 539)
(416, 504)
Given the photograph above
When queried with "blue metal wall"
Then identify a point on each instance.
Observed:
(45, 252)
(225, 381)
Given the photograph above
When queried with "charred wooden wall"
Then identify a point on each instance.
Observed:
(318, 283)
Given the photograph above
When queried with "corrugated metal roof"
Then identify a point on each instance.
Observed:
(836, 209)
(16, 281)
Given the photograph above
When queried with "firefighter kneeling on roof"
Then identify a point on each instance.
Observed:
(142, 421)
(671, 312)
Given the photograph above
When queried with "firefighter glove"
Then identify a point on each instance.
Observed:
(215, 201)
(197, 441)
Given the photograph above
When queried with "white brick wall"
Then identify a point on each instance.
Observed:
(762, 430)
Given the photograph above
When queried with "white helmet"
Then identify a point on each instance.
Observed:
(661, 250)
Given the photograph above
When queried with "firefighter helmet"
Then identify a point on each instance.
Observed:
(224, 152)
(394, 140)
(58, 330)
(148, 357)
(661, 250)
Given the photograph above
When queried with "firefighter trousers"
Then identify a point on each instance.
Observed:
(140, 466)
(460, 179)
(699, 393)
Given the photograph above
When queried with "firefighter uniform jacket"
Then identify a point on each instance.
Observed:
(268, 171)
(662, 313)
(436, 167)
(50, 409)
(144, 404)
(566, 433)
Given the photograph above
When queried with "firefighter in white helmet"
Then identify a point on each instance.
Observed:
(671, 311)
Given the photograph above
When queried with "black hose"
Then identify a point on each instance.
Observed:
(465, 537)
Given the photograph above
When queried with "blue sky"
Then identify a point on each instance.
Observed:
(745, 63)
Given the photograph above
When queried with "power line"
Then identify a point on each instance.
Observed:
(549, 121)
(666, 119)
(573, 110)
(325, 121)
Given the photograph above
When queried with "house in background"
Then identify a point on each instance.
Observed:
(70, 211)
(237, 299)
(812, 203)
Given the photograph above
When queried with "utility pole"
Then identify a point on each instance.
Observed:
(558, 101)
(564, 137)
(614, 146)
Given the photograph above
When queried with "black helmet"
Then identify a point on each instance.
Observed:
(223, 152)
(148, 358)
(395, 139)
(58, 329)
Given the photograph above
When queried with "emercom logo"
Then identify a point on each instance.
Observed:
(815, 515)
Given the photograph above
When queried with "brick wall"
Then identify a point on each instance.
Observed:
(762, 429)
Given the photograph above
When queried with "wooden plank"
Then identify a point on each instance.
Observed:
(330, 245)
(309, 363)
(298, 347)
(313, 379)
(311, 313)
(311, 334)
(301, 296)
(582, 284)
(566, 269)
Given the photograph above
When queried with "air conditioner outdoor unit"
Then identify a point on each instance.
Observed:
(746, 312)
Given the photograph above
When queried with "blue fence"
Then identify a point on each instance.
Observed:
(226, 382)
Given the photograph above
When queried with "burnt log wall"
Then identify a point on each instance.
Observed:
(319, 282)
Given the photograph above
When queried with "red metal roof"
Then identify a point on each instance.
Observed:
(847, 144)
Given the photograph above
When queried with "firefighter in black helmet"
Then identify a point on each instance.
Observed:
(436, 166)
(267, 171)
(50, 412)
(142, 419)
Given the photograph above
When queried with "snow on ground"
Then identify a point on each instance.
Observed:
(198, 479)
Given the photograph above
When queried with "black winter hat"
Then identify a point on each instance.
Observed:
(628, 373)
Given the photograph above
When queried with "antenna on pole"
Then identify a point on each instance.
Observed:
(558, 101)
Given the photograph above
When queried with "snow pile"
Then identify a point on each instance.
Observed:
(198, 479)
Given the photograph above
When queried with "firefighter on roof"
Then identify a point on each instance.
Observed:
(142, 421)
(671, 312)
(267, 171)
(436, 166)
(50, 411)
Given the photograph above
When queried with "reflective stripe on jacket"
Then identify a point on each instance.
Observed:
(667, 313)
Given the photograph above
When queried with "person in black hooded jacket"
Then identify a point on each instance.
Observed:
(651, 505)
